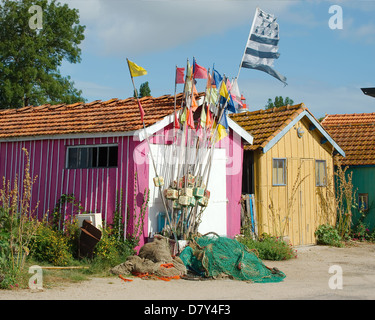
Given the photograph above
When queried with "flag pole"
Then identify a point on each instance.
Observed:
(251, 31)
(152, 158)
(213, 141)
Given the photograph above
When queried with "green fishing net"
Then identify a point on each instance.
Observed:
(215, 256)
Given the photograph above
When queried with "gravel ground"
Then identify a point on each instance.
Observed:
(307, 278)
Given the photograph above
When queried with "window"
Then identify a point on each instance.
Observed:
(83, 157)
(321, 173)
(363, 201)
(279, 172)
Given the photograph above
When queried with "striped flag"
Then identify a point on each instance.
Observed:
(262, 45)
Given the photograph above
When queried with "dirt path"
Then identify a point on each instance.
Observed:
(307, 277)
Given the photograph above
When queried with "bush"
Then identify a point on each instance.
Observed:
(112, 249)
(361, 233)
(270, 248)
(51, 246)
(328, 235)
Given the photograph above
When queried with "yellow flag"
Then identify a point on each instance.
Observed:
(224, 91)
(136, 70)
(221, 132)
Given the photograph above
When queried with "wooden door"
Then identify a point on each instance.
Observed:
(306, 203)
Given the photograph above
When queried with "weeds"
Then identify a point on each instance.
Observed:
(270, 248)
(56, 242)
(327, 202)
(17, 226)
(327, 234)
(345, 199)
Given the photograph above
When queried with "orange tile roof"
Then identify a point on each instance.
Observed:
(355, 133)
(264, 125)
(348, 119)
(114, 115)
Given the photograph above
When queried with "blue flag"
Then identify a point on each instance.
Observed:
(224, 121)
(217, 77)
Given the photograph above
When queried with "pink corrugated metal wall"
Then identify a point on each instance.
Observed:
(96, 188)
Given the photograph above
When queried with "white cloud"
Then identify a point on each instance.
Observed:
(358, 32)
(319, 97)
(134, 26)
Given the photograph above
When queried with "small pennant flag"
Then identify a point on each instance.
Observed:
(136, 70)
(222, 127)
(221, 132)
(176, 122)
(216, 77)
(198, 71)
(180, 75)
(203, 118)
(224, 91)
(208, 118)
(235, 93)
(141, 111)
(190, 119)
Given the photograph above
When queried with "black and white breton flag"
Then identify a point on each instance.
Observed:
(262, 45)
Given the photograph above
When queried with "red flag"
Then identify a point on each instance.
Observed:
(176, 122)
(200, 72)
(190, 119)
(141, 111)
(180, 75)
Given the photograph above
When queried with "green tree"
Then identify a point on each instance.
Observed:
(278, 102)
(33, 46)
(144, 90)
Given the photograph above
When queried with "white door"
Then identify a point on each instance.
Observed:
(214, 217)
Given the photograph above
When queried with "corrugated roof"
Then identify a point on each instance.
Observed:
(114, 115)
(356, 135)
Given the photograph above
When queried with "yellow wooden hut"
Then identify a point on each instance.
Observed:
(289, 172)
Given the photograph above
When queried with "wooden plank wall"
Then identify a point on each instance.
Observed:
(305, 213)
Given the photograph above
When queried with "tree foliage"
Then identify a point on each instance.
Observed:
(30, 58)
(278, 102)
(144, 90)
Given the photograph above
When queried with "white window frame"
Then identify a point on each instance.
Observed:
(275, 181)
(318, 173)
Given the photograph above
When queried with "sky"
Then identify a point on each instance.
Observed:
(325, 67)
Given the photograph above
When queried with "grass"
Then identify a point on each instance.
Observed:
(57, 277)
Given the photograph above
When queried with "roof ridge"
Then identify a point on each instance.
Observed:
(272, 122)
(298, 110)
(351, 114)
(276, 109)
(349, 124)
